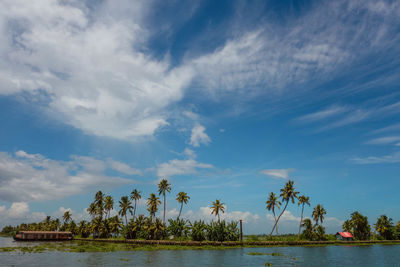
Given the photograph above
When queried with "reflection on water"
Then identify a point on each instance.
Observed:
(374, 255)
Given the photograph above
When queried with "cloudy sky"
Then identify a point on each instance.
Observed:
(226, 99)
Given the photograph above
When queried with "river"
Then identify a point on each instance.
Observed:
(371, 255)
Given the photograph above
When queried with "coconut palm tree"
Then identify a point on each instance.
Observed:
(108, 205)
(115, 225)
(273, 203)
(82, 229)
(288, 194)
(92, 210)
(135, 196)
(384, 226)
(302, 201)
(182, 197)
(99, 202)
(67, 217)
(318, 214)
(217, 207)
(163, 187)
(152, 203)
(309, 229)
(125, 205)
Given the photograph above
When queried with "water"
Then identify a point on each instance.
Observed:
(374, 255)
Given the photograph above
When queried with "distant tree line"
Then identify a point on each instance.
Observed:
(103, 225)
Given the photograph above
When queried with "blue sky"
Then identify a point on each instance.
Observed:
(226, 99)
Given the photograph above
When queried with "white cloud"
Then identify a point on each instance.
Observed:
(180, 167)
(36, 178)
(277, 173)
(286, 217)
(322, 114)
(392, 158)
(384, 140)
(93, 69)
(90, 64)
(199, 136)
(189, 153)
(18, 209)
(123, 168)
(19, 212)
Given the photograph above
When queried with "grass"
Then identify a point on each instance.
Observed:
(80, 247)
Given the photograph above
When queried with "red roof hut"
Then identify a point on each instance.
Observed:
(345, 236)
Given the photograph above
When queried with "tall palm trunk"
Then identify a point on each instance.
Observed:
(276, 223)
(218, 217)
(134, 210)
(301, 219)
(126, 220)
(180, 211)
(164, 208)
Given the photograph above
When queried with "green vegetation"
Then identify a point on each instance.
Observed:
(102, 225)
(123, 226)
(358, 226)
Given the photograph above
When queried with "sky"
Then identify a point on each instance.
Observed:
(225, 99)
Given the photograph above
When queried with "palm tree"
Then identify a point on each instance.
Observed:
(92, 210)
(273, 203)
(66, 216)
(302, 201)
(164, 186)
(108, 205)
(82, 229)
(288, 193)
(318, 214)
(384, 226)
(125, 205)
(309, 229)
(216, 207)
(99, 202)
(152, 202)
(115, 225)
(135, 196)
(182, 197)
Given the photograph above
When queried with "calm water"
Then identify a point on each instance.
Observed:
(375, 255)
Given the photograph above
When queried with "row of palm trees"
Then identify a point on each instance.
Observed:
(102, 205)
(100, 209)
(289, 194)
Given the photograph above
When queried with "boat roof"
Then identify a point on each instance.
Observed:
(44, 232)
(345, 234)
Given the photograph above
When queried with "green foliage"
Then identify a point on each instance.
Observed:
(320, 233)
(313, 232)
(384, 226)
(221, 231)
(358, 226)
(178, 228)
(156, 230)
(308, 232)
(198, 229)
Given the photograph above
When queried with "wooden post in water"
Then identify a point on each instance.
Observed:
(241, 232)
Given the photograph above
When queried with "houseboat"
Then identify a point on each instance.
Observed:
(43, 235)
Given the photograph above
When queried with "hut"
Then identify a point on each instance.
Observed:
(43, 235)
(344, 236)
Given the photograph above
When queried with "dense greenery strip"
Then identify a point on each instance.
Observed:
(103, 225)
